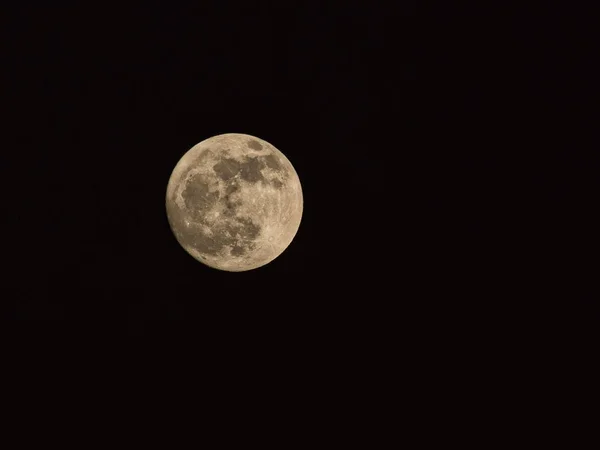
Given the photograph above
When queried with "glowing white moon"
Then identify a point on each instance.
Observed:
(234, 202)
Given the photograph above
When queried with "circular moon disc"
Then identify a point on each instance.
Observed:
(234, 202)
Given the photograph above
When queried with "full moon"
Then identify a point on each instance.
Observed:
(234, 202)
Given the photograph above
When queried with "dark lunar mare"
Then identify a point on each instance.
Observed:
(271, 161)
(227, 168)
(249, 169)
(255, 145)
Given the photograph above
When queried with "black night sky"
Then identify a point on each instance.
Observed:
(105, 103)
(446, 226)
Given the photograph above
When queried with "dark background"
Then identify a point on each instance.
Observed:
(486, 191)
(459, 247)
(104, 102)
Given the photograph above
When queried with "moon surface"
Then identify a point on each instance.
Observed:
(234, 202)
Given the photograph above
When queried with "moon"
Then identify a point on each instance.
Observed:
(234, 202)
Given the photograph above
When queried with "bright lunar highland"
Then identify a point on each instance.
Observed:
(234, 202)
